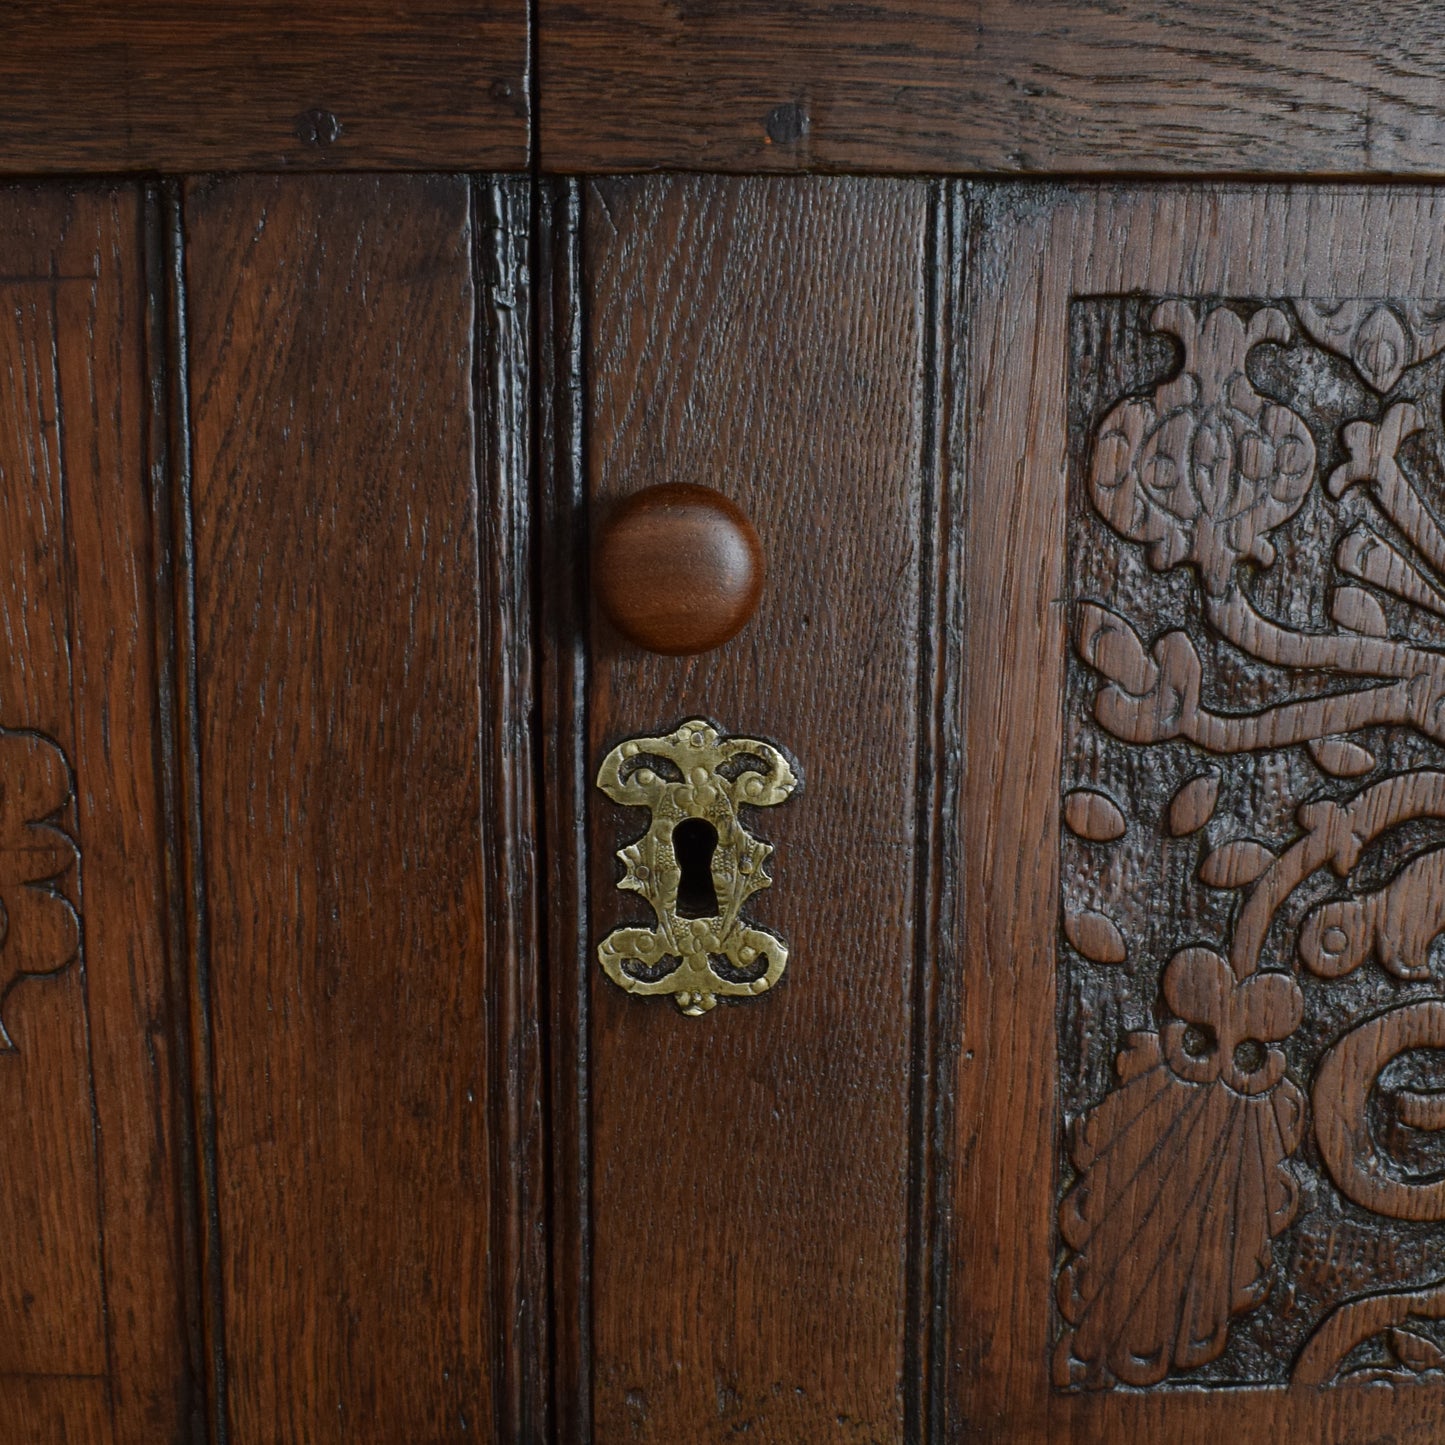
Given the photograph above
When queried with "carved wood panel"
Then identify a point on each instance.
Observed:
(1203, 438)
(1253, 841)
(94, 1302)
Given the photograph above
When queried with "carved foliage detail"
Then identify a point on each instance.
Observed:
(1204, 469)
(1380, 338)
(39, 928)
(1252, 1003)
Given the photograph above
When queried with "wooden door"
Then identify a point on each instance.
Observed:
(751, 1260)
(1203, 457)
(1166, 1165)
(1150, 1133)
(266, 648)
(475, 965)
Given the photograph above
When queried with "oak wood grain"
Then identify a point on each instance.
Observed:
(1031, 252)
(562, 610)
(750, 1168)
(57, 1409)
(157, 85)
(52, 1289)
(997, 86)
(348, 834)
(93, 1296)
(512, 784)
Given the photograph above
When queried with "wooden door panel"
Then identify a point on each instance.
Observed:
(55, 1296)
(1200, 429)
(1100, 1096)
(125, 86)
(1008, 87)
(91, 1292)
(751, 1168)
(357, 743)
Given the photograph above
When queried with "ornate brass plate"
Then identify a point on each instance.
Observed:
(696, 865)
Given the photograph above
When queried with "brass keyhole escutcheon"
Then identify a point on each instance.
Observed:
(696, 865)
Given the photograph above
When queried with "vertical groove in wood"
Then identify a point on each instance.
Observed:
(942, 752)
(951, 735)
(165, 427)
(562, 602)
(189, 836)
(501, 228)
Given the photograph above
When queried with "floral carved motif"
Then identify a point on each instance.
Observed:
(1380, 338)
(1206, 468)
(1252, 921)
(39, 927)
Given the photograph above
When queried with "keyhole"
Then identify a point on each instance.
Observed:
(694, 841)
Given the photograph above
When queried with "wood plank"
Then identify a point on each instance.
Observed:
(160, 85)
(51, 1289)
(750, 1167)
(57, 1409)
(999, 86)
(93, 1298)
(341, 678)
(1025, 1052)
(137, 1021)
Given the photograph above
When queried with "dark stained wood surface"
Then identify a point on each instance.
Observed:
(749, 1168)
(92, 1300)
(52, 1276)
(355, 903)
(1287, 87)
(512, 788)
(1031, 253)
(562, 551)
(159, 85)
(1005, 87)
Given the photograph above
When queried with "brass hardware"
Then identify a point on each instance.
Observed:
(694, 773)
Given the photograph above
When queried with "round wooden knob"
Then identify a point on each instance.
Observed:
(678, 569)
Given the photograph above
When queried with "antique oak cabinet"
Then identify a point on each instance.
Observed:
(722, 722)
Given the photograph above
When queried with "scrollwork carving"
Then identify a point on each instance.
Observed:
(1380, 338)
(1257, 687)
